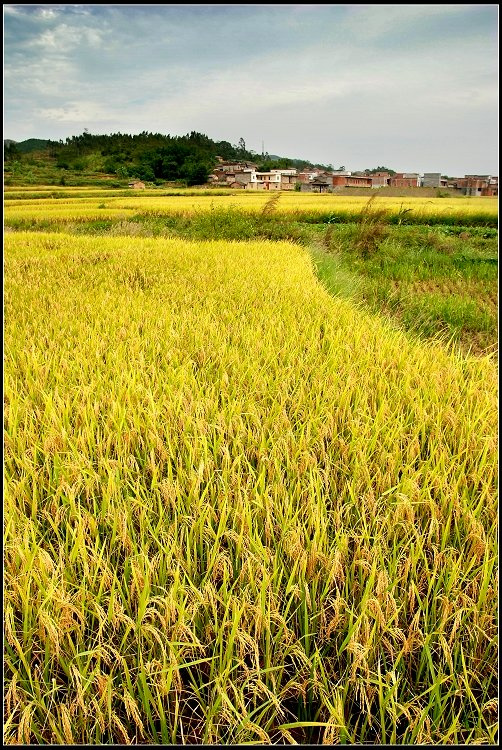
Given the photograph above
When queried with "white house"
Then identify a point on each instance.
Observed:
(276, 179)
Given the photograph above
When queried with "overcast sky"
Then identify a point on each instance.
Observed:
(411, 87)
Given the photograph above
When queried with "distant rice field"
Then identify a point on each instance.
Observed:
(293, 205)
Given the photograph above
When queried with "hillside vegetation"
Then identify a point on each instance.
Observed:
(147, 156)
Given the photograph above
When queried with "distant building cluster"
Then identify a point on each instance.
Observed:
(245, 175)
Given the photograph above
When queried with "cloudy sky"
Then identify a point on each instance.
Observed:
(411, 87)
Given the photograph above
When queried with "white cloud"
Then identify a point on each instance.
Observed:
(296, 74)
(65, 39)
(76, 112)
(12, 10)
(372, 21)
(47, 13)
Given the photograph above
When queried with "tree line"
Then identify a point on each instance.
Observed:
(153, 157)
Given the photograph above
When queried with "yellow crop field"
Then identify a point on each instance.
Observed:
(237, 509)
(52, 189)
(60, 214)
(108, 206)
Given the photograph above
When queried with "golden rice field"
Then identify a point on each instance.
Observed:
(52, 189)
(237, 509)
(106, 206)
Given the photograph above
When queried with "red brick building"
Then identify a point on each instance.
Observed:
(476, 185)
(380, 179)
(492, 190)
(405, 180)
(344, 180)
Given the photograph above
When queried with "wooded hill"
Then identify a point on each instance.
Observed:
(148, 156)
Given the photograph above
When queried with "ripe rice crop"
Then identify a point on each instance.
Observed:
(8, 189)
(49, 191)
(238, 510)
(303, 207)
(57, 214)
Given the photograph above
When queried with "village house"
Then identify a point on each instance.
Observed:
(405, 179)
(492, 189)
(231, 179)
(306, 176)
(319, 185)
(379, 179)
(289, 178)
(477, 185)
(233, 166)
(339, 181)
(232, 174)
(242, 179)
(431, 179)
(332, 181)
(276, 179)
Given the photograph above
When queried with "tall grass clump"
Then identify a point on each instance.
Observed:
(371, 228)
(433, 281)
(220, 222)
(237, 509)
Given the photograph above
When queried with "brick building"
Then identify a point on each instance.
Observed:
(379, 179)
(405, 180)
(345, 180)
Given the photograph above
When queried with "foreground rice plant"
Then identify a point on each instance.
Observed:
(237, 509)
